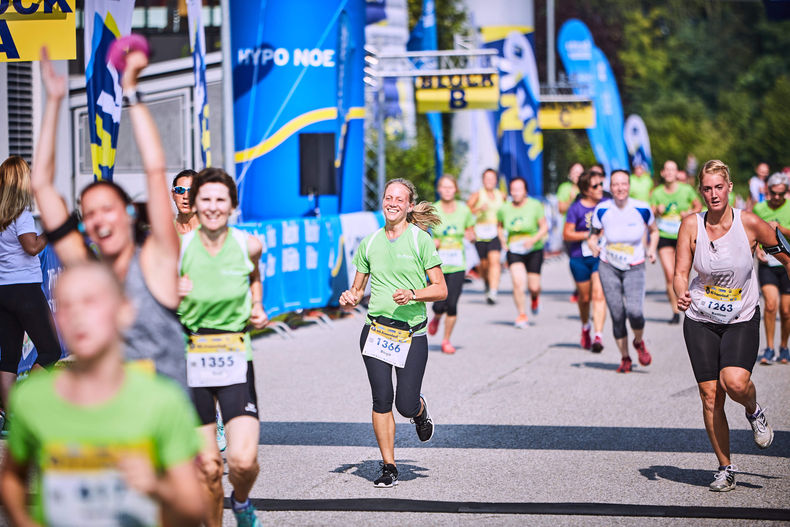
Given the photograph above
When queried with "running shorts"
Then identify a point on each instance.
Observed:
(483, 248)
(582, 267)
(667, 242)
(776, 276)
(533, 260)
(234, 400)
(712, 347)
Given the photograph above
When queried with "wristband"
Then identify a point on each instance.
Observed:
(72, 223)
(131, 98)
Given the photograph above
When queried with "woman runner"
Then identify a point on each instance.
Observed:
(722, 322)
(396, 259)
(484, 204)
(457, 222)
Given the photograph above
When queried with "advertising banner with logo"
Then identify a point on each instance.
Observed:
(609, 112)
(27, 27)
(104, 23)
(566, 115)
(286, 83)
(197, 43)
(519, 138)
(450, 93)
(638, 142)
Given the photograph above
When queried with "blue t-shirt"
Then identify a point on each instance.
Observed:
(581, 217)
(16, 266)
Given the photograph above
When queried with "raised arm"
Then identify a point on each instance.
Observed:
(54, 214)
(765, 234)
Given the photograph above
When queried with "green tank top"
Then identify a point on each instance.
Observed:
(489, 215)
(220, 296)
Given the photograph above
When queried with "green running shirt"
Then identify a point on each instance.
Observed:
(74, 449)
(641, 187)
(451, 235)
(675, 203)
(522, 221)
(396, 264)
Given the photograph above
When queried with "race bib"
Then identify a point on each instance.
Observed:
(486, 231)
(216, 360)
(516, 244)
(81, 486)
(388, 344)
(669, 225)
(452, 257)
(620, 255)
(721, 304)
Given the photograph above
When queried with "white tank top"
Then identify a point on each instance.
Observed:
(725, 290)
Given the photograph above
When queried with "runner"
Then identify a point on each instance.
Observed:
(524, 220)
(484, 204)
(622, 222)
(100, 443)
(641, 183)
(566, 194)
(722, 323)
(186, 220)
(457, 222)
(671, 202)
(396, 259)
(584, 266)
(219, 361)
(147, 264)
(774, 283)
(23, 306)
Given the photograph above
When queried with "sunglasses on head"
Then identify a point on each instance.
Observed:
(181, 190)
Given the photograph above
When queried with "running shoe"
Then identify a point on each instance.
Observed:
(447, 347)
(675, 319)
(433, 326)
(625, 365)
(724, 480)
(644, 356)
(586, 342)
(222, 443)
(763, 433)
(245, 517)
(521, 321)
(597, 345)
(768, 356)
(535, 306)
(423, 423)
(574, 298)
(784, 355)
(388, 478)
(490, 298)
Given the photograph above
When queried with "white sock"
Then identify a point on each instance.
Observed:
(586, 326)
(239, 506)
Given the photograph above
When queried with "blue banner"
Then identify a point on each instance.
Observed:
(519, 138)
(609, 112)
(637, 141)
(286, 82)
(197, 41)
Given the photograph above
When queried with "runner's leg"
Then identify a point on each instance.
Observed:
(784, 315)
(612, 285)
(383, 394)
(598, 304)
(494, 271)
(519, 275)
(713, 397)
(771, 296)
(585, 296)
(210, 474)
(667, 257)
(242, 434)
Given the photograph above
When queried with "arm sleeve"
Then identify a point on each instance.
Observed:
(360, 261)
(428, 253)
(178, 439)
(570, 216)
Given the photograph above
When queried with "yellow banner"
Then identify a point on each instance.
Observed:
(450, 93)
(566, 115)
(28, 25)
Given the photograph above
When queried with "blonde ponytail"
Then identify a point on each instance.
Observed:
(423, 215)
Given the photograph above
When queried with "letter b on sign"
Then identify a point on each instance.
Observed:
(457, 99)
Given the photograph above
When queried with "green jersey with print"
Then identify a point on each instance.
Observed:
(674, 204)
(451, 236)
(488, 209)
(75, 449)
(565, 193)
(780, 215)
(396, 264)
(641, 187)
(522, 221)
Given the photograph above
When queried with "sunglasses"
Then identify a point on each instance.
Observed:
(597, 185)
(181, 190)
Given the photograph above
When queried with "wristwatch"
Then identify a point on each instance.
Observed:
(413, 294)
(130, 98)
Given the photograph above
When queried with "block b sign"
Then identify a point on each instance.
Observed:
(26, 26)
(451, 93)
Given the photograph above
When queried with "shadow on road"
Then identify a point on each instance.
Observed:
(519, 437)
(370, 470)
(695, 477)
(611, 366)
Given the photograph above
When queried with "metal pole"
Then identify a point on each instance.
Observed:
(550, 56)
(382, 155)
(228, 140)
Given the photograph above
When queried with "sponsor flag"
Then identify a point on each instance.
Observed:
(197, 43)
(638, 142)
(105, 22)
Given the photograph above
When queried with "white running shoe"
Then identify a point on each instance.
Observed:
(763, 433)
(724, 480)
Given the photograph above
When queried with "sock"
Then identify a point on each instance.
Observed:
(598, 335)
(586, 326)
(240, 506)
(756, 412)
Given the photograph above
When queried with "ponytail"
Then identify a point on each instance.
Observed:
(423, 215)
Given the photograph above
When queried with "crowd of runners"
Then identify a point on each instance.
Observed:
(160, 377)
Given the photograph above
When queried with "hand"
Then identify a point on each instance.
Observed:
(651, 255)
(348, 299)
(761, 255)
(595, 249)
(139, 474)
(54, 84)
(184, 286)
(773, 224)
(402, 296)
(529, 243)
(258, 318)
(684, 301)
(136, 61)
(662, 209)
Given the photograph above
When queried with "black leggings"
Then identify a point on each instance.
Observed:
(407, 398)
(24, 309)
(455, 282)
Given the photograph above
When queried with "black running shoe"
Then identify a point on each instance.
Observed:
(388, 478)
(423, 423)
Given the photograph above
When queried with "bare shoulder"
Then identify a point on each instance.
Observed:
(254, 245)
(689, 223)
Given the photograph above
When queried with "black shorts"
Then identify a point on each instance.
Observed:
(667, 242)
(712, 347)
(533, 260)
(234, 400)
(483, 248)
(776, 276)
